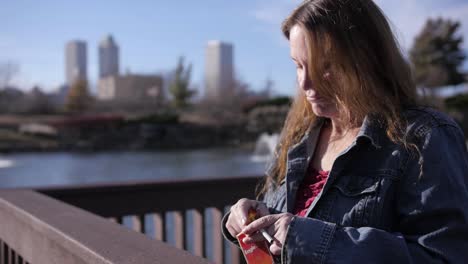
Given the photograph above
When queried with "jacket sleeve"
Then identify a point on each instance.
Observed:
(225, 232)
(432, 216)
(268, 173)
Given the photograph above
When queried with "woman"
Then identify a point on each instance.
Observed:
(362, 174)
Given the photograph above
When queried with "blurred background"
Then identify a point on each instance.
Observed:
(109, 91)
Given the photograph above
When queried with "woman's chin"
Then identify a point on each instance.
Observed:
(321, 110)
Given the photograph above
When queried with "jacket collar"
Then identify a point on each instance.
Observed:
(371, 130)
(306, 146)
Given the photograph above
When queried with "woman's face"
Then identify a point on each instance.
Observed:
(300, 54)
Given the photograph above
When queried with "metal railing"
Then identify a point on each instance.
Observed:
(71, 224)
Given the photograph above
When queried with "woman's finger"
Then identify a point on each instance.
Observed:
(262, 222)
(275, 248)
(256, 237)
(238, 217)
(242, 209)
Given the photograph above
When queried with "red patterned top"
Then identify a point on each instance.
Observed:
(308, 190)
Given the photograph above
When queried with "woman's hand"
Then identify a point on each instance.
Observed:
(276, 225)
(238, 218)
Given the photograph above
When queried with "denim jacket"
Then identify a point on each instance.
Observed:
(377, 205)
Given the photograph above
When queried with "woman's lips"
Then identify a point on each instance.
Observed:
(313, 98)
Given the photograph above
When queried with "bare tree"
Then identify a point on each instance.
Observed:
(8, 70)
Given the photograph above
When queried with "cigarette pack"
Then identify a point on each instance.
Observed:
(258, 252)
(255, 253)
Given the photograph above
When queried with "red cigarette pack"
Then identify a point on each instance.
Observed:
(255, 253)
(258, 252)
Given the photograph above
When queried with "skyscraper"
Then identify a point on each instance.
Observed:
(75, 61)
(219, 70)
(108, 57)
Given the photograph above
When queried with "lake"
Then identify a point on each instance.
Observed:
(59, 169)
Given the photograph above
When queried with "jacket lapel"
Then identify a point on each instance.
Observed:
(298, 160)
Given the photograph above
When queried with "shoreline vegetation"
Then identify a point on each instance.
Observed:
(96, 132)
(195, 128)
(104, 133)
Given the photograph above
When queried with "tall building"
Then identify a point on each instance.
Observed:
(219, 70)
(75, 61)
(108, 57)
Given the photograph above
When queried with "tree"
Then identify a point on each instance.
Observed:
(268, 87)
(180, 86)
(8, 70)
(39, 102)
(78, 98)
(437, 54)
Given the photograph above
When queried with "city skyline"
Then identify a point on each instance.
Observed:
(152, 35)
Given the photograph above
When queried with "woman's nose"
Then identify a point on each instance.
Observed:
(304, 81)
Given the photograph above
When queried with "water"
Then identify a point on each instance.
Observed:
(60, 169)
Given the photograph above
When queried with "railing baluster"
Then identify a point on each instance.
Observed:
(1, 251)
(180, 230)
(199, 247)
(236, 254)
(5, 253)
(11, 259)
(218, 245)
(159, 226)
(119, 219)
(138, 223)
(134, 223)
(143, 223)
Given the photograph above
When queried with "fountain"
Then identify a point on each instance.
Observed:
(265, 147)
(6, 163)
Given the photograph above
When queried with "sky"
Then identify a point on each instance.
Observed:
(153, 34)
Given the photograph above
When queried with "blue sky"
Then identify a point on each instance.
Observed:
(152, 34)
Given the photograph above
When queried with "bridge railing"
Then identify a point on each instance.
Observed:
(35, 228)
(184, 213)
(79, 224)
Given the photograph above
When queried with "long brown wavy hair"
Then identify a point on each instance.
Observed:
(352, 42)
